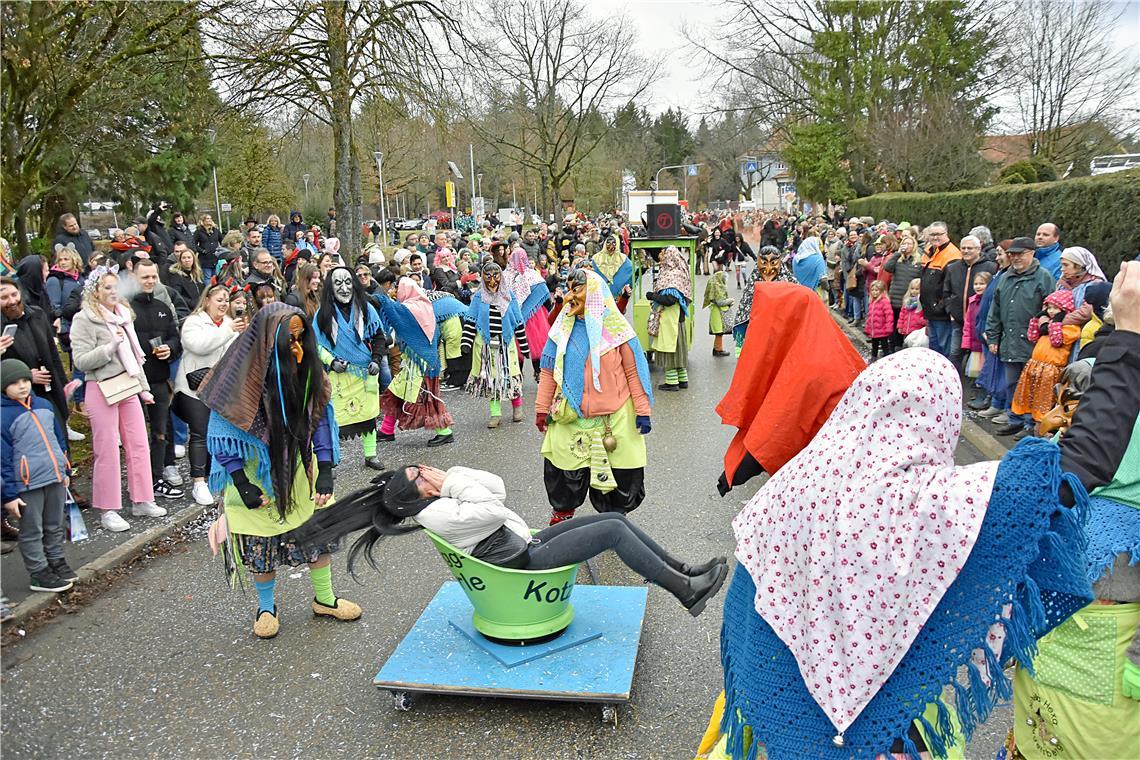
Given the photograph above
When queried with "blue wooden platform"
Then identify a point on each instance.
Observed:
(592, 661)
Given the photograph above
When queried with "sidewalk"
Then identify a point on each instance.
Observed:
(977, 431)
(102, 552)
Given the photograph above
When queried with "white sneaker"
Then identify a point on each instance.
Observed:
(147, 509)
(171, 475)
(201, 493)
(990, 413)
(113, 522)
(75, 435)
(1001, 419)
(179, 451)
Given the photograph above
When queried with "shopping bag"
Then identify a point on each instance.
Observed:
(76, 528)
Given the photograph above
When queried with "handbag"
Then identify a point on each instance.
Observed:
(194, 379)
(653, 325)
(852, 278)
(119, 388)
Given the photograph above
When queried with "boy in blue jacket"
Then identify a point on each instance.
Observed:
(36, 474)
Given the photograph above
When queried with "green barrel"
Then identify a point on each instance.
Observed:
(514, 605)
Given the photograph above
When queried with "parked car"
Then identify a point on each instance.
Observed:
(410, 224)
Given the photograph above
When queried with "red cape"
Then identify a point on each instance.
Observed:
(795, 365)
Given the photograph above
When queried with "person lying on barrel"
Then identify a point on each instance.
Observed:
(466, 507)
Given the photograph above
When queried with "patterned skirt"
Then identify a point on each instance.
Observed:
(427, 412)
(262, 554)
(1034, 394)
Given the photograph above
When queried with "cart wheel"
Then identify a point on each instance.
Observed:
(610, 714)
(402, 701)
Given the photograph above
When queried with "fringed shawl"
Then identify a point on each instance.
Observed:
(414, 345)
(1028, 557)
(349, 335)
(479, 312)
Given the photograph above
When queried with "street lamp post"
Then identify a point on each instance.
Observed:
(306, 178)
(479, 176)
(380, 174)
(214, 170)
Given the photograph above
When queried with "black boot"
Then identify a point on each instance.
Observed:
(693, 592)
(373, 463)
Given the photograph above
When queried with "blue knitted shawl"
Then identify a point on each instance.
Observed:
(349, 346)
(574, 366)
(684, 302)
(1030, 553)
(227, 439)
(1114, 528)
(535, 300)
(447, 307)
(622, 277)
(480, 313)
(414, 345)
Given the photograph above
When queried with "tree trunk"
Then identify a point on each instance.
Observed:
(21, 225)
(341, 121)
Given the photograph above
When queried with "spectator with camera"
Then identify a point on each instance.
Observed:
(156, 326)
(205, 336)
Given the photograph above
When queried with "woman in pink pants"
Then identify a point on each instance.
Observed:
(105, 347)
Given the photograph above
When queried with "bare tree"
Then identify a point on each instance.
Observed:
(1068, 72)
(323, 59)
(569, 71)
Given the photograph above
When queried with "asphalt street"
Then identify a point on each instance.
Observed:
(165, 664)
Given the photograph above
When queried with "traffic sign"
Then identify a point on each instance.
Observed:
(226, 207)
(449, 187)
(751, 167)
(692, 170)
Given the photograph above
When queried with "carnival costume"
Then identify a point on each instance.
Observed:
(449, 312)
(594, 404)
(672, 296)
(413, 399)
(1051, 349)
(274, 443)
(719, 305)
(494, 335)
(810, 266)
(351, 343)
(769, 268)
(860, 594)
(616, 269)
(1083, 693)
(532, 295)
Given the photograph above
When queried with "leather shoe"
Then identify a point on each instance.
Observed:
(373, 463)
(385, 437)
(980, 403)
(704, 587)
(440, 440)
(683, 384)
(1023, 433)
(688, 569)
(1010, 429)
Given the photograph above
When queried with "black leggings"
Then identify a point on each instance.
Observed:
(580, 539)
(197, 417)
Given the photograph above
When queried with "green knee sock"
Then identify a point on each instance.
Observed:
(683, 374)
(443, 431)
(496, 408)
(369, 440)
(671, 377)
(322, 585)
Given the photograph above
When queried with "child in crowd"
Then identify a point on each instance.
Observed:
(910, 315)
(1053, 342)
(971, 341)
(35, 471)
(880, 320)
(718, 303)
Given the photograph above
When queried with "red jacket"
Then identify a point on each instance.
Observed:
(880, 318)
(910, 319)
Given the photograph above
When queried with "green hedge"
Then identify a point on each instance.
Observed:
(1099, 213)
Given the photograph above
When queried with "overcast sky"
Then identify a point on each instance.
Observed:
(660, 24)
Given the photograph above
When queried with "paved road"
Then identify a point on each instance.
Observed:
(165, 664)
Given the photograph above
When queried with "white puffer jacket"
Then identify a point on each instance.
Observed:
(470, 507)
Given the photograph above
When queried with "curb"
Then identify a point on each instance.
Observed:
(120, 556)
(971, 431)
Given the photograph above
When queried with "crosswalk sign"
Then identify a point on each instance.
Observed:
(751, 167)
(692, 170)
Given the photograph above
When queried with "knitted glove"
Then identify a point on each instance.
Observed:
(373, 368)
(643, 425)
(1130, 685)
(324, 484)
(338, 365)
(540, 422)
(249, 493)
(652, 296)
